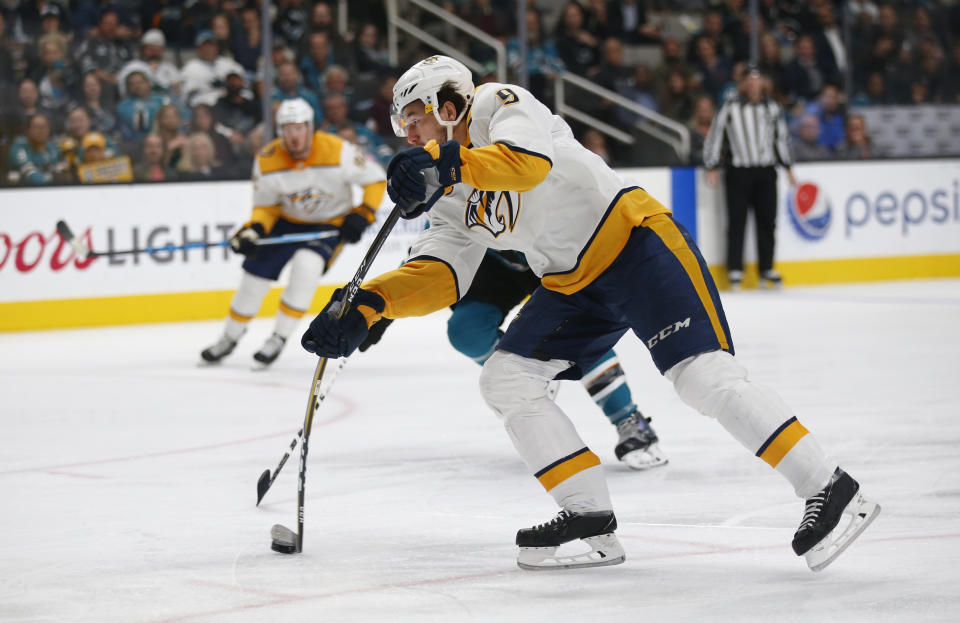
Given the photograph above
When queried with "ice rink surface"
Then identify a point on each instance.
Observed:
(128, 472)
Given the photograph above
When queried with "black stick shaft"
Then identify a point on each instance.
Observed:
(351, 292)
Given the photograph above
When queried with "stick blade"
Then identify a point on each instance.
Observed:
(284, 540)
(263, 485)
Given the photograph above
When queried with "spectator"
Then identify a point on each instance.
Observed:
(712, 71)
(246, 42)
(34, 158)
(858, 144)
(381, 108)
(543, 61)
(201, 75)
(227, 143)
(771, 65)
(336, 112)
(169, 128)
(102, 119)
(151, 167)
(317, 61)
(50, 20)
(712, 28)
(28, 105)
(875, 92)
(199, 17)
(597, 143)
(490, 19)
(289, 87)
(222, 32)
(628, 19)
(94, 148)
(613, 73)
(575, 44)
(105, 53)
(677, 101)
(53, 78)
(703, 112)
(804, 76)
(831, 52)
(198, 161)
(136, 112)
(369, 57)
(78, 126)
(672, 60)
(336, 80)
(830, 114)
(321, 20)
(291, 24)
(598, 21)
(164, 77)
(237, 110)
(807, 146)
(641, 91)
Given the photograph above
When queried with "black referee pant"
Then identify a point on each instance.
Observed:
(751, 187)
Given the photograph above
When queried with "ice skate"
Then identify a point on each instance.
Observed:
(824, 532)
(220, 349)
(270, 350)
(637, 446)
(538, 545)
(736, 278)
(771, 280)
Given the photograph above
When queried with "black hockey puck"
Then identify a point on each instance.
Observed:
(283, 548)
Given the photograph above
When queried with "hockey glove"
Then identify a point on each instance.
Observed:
(353, 227)
(244, 241)
(407, 185)
(329, 336)
(376, 332)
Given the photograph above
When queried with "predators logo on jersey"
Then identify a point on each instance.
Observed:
(308, 202)
(496, 211)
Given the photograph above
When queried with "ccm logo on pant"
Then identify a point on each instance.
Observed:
(667, 331)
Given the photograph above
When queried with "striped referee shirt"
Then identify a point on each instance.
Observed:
(755, 134)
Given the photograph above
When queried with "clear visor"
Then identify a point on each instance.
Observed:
(402, 123)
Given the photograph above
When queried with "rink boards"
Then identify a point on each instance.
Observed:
(846, 222)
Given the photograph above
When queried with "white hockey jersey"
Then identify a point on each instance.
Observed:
(318, 189)
(528, 185)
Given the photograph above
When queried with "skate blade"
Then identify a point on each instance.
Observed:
(645, 458)
(284, 540)
(861, 513)
(604, 551)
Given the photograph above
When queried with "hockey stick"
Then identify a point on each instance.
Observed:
(285, 540)
(84, 251)
(266, 478)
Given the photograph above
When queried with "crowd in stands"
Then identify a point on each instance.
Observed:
(95, 90)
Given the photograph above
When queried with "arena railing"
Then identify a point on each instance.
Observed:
(659, 127)
(395, 23)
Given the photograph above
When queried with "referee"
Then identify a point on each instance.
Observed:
(750, 133)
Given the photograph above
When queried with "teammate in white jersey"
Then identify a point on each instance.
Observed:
(611, 259)
(302, 182)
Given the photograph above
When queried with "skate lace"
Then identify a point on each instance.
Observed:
(811, 511)
(560, 518)
(635, 426)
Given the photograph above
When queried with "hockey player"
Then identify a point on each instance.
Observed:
(302, 182)
(502, 282)
(611, 259)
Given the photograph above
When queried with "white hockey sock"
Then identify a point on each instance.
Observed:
(287, 320)
(245, 304)
(516, 389)
(306, 266)
(717, 386)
